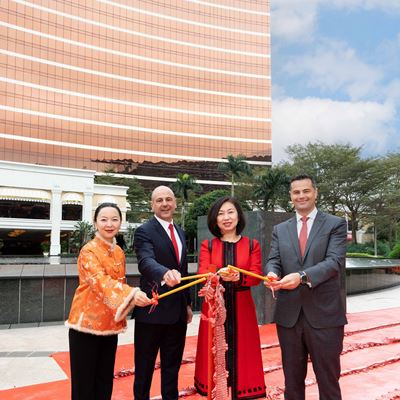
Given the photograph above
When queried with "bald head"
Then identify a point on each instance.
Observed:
(161, 189)
(163, 203)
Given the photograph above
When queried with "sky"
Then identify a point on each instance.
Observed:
(336, 74)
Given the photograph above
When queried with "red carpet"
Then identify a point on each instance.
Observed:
(370, 365)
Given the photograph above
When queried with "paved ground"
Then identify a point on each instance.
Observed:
(25, 350)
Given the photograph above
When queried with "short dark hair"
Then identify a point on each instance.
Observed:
(104, 205)
(213, 214)
(302, 177)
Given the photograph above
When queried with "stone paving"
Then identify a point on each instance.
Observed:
(25, 349)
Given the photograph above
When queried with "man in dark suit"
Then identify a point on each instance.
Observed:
(161, 252)
(308, 256)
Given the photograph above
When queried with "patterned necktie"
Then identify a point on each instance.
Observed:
(303, 235)
(174, 242)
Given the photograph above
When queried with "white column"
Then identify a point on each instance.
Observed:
(55, 218)
(87, 206)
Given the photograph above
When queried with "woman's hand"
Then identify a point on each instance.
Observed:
(141, 299)
(229, 275)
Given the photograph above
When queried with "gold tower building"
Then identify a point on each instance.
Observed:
(121, 83)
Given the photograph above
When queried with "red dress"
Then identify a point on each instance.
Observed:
(243, 358)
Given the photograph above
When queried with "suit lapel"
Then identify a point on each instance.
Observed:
(317, 225)
(294, 238)
(164, 236)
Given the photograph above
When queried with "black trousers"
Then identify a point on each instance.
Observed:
(170, 340)
(92, 360)
(324, 346)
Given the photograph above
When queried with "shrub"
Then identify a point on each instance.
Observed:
(383, 248)
(395, 253)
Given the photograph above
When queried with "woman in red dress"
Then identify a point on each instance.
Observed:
(243, 357)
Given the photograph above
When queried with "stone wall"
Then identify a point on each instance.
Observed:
(41, 292)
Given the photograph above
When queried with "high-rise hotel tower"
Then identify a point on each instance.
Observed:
(136, 86)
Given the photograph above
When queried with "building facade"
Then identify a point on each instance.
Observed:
(40, 205)
(147, 89)
(135, 86)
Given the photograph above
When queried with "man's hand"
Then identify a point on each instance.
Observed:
(290, 281)
(172, 278)
(274, 284)
(189, 314)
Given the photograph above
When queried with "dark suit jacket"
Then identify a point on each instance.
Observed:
(323, 261)
(156, 256)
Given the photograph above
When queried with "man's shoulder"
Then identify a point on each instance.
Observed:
(148, 223)
(286, 222)
(146, 228)
(177, 227)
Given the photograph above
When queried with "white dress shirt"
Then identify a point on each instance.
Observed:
(310, 221)
(165, 225)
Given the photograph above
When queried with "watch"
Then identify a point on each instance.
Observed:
(303, 278)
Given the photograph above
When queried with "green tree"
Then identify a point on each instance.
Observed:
(328, 164)
(128, 238)
(235, 168)
(360, 185)
(385, 204)
(82, 233)
(182, 187)
(244, 193)
(200, 207)
(272, 187)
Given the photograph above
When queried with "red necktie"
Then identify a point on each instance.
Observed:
(303, 235)
(174, 242)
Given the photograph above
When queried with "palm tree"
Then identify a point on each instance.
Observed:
(272, 187)
(82, 233)
(235, 167)
(182, 186)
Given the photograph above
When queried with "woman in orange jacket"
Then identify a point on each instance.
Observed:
(100, 305)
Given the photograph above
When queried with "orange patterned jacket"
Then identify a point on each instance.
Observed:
(102, 299)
